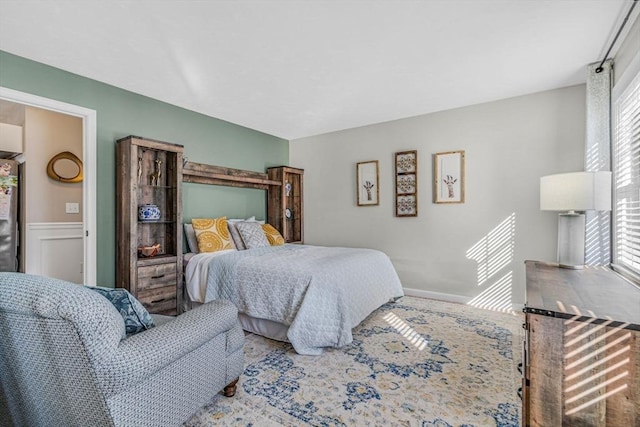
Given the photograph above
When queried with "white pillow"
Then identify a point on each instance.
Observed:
(253, 219)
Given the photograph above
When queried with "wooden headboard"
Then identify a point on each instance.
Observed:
(218, 175)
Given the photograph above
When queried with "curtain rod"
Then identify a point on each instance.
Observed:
(615, 39)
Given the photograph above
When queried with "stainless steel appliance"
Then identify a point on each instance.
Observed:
(9, 235)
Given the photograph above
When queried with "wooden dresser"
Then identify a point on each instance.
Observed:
(581, 348)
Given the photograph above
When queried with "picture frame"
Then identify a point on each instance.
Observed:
(449, 177)
(406, 163)
(367, 181)
(406, 184)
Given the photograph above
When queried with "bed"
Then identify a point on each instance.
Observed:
(310, 296)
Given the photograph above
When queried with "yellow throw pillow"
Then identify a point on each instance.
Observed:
(273, 236)
(212, 234)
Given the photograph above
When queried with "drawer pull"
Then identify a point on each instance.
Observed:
(520, 393)
(157, 301)
(520, 367)
(159, 276)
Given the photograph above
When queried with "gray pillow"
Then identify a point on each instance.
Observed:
(235, 235)
(192, 241)
(252, 234)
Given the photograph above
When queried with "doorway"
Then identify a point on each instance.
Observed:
(89, 141)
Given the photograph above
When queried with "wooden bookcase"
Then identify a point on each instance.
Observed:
(149, 173)
(582, 348)
(285, 203)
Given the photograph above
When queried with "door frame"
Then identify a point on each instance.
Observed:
(89, 147)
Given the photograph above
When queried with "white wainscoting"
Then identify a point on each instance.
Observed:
(55, 249)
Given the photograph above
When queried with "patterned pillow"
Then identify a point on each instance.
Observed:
(273, 236)
(212, 234)
(252, 235)
(235, 235)
(136, 317)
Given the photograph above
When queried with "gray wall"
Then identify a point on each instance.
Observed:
(458, 252)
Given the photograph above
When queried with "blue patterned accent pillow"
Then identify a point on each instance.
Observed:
(136, 317)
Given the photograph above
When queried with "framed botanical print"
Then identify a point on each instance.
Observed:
(448, 177)
(407, 183)
(367, 182)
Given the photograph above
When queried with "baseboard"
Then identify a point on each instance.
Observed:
(441, 296)
(436, 295)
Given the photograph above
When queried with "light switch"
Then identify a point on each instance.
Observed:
(73, 208)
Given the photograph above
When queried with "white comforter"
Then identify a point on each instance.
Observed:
(321, 293)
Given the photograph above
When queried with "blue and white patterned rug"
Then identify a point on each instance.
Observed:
(416, 362)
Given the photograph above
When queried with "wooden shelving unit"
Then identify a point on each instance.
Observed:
(285, 202)
(218, 175)
(150, 173)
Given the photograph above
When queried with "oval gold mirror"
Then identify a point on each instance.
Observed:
(65, 167)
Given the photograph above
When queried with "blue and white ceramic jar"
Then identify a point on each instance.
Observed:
(148, 212)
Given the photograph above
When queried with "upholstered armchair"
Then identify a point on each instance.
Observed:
(65, 359)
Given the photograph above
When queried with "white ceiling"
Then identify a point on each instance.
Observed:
(300, 68)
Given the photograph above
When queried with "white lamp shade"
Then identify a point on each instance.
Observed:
(576, 191)
(10, 138)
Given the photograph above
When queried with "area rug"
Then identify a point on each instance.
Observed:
(415, 362)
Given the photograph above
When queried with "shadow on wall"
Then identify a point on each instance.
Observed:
(494, 256)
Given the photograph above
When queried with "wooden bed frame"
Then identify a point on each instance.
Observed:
(218, 175)
(202, 173)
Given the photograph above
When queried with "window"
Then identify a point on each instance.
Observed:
(626, 169)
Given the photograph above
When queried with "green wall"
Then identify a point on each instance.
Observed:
(121, 113)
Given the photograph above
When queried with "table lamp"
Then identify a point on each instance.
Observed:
(572, 194)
